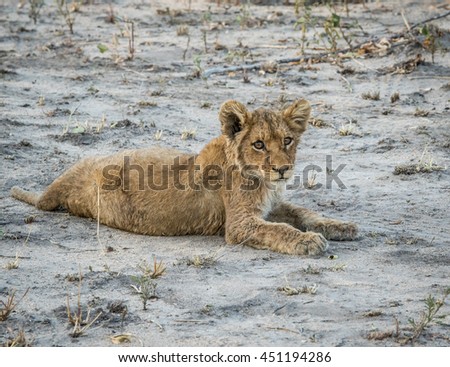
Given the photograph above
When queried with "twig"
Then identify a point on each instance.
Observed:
(408, 27)
(187, 46)
(133, 71)
(98, 215)
(361, 64)
(430, 19)
(226, 69)
(350, 88)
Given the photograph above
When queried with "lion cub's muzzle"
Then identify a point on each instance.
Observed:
(280, 173)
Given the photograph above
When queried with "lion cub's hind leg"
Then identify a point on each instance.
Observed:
(49, 200)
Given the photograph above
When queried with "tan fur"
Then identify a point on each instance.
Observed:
(246, 207)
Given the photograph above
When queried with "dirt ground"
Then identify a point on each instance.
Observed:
(65, 96)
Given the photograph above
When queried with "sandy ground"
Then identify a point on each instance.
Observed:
(62, 99)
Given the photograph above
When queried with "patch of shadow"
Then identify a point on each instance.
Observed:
(76, 138)
(9, 122)
(240, 310)
(385, 145)
(415, 257)
(100, 279)
(5, 72)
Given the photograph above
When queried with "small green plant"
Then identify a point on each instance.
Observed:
(416, 328)
(198, 68)
(207, 16)
(333, 27)
(431, 43)
(428, 316)
(144, 284)
(244, 17)
(304, 22)
(102, 48)
(145, 287)
(65, 12)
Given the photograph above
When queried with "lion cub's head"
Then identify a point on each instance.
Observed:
(264, 142)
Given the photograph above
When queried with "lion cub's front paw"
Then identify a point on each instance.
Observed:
(336, 230)
(311, 244)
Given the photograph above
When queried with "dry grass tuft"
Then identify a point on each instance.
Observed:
(316, 270)
(182, 30)
(425, 165)
(312, 180)
(291, 291)
(188, 134)
(14, 264)
(421, 113)
(202, 261)
(374, 96)
(17, 340)
(395, 97)
(81, 320)
(8, 306)
(347, 130)
(158, 135)
(317, 122)
(152, 272)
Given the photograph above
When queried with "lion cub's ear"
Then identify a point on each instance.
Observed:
(233, 115)
(297, 115)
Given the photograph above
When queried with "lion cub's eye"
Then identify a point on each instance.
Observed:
(287, 141)
(258, 145)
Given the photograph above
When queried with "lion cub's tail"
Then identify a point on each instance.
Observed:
(24, 195)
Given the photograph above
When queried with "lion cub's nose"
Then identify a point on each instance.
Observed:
(281, 170)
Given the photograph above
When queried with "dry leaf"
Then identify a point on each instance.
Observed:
(121, 338)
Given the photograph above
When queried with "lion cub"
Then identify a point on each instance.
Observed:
(232, 187)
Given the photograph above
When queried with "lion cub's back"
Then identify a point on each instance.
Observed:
(139, 194)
